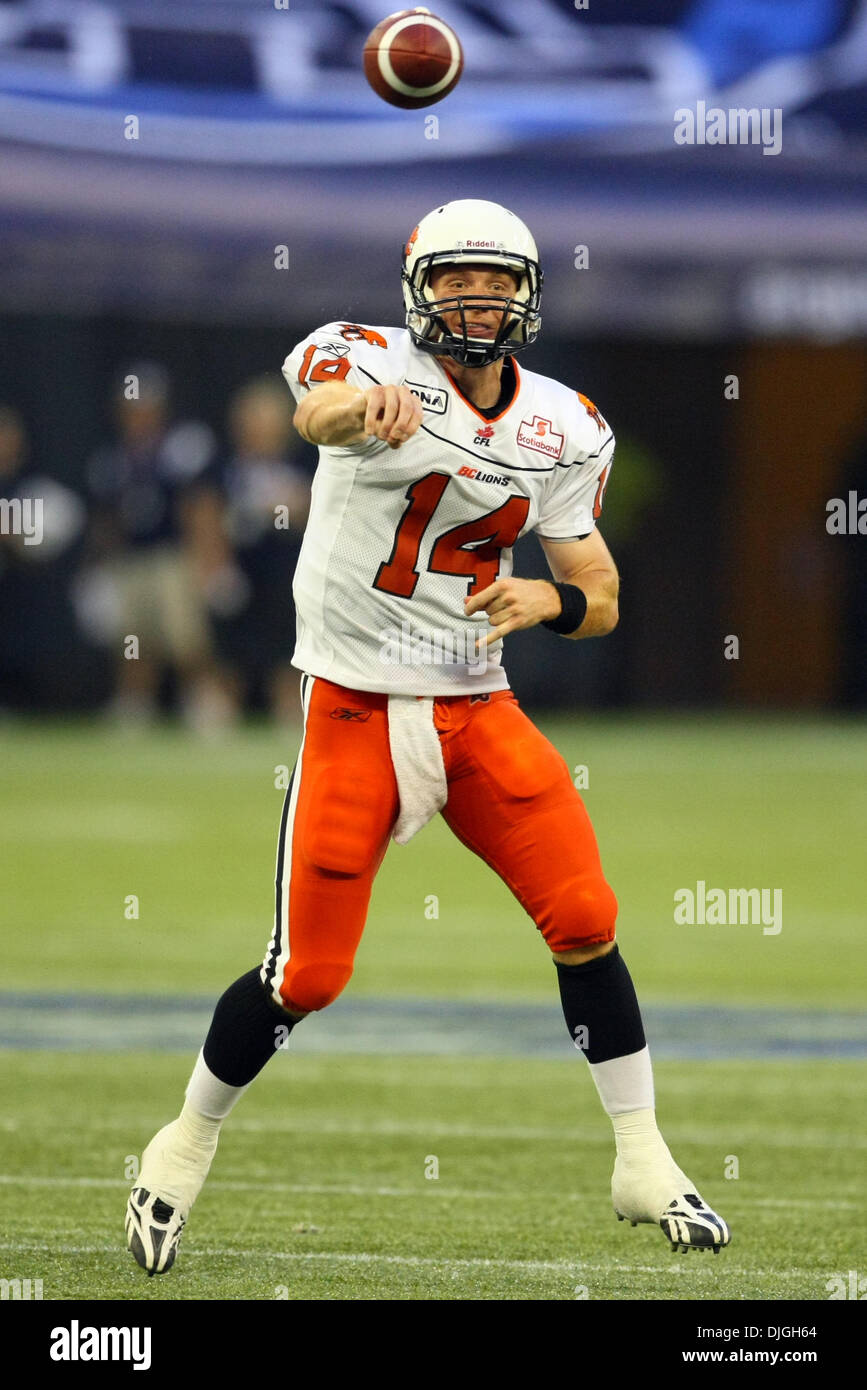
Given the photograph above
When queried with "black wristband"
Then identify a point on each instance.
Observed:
(573, 602)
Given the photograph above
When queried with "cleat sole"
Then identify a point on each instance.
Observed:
(694, 1228)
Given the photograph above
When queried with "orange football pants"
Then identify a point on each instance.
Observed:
(510, 799)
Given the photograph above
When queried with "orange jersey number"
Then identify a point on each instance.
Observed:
(328, 369)
(471, 549)
(600, 493)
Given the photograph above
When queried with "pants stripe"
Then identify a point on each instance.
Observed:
(278, 947)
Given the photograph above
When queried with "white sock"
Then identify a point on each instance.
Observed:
(637, 1136)
(625, 1084)
(208, 1102)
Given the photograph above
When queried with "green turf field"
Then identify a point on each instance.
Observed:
(340, 1143)
(519, 1209)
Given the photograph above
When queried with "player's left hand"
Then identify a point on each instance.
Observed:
(512, 604)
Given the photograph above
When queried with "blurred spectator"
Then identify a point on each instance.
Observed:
(267, 498)
(41, 523)
(157, 539)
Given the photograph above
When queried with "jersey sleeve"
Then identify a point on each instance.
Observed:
(339, 352)
(573, 502)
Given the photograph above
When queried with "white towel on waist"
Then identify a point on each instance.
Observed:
(418, 763)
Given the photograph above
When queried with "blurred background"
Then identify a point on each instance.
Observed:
(189, 188)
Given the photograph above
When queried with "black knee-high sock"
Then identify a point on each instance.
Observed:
(601, 1008)
(244, 1031)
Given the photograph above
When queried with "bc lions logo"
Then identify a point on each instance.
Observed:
(592, 412)
(354, 333)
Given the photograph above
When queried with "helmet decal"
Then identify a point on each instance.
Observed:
(411, 243)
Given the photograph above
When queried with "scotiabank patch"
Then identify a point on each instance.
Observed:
(539, 434)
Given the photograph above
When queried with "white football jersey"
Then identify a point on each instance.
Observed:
(397, 538)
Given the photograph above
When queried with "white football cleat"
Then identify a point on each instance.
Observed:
(171, 1177)
(663, 1196)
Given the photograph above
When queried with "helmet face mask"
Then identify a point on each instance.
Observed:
(471, 233)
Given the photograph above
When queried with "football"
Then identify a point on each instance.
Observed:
(413, 59)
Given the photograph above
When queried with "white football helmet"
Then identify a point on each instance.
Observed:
(471, 232)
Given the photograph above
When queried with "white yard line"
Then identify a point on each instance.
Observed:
(428, 1130)
(425, 1191)
(567, 1267)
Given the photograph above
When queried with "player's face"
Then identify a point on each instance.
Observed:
(482, 288)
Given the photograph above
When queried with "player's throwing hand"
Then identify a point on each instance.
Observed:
(393, 413)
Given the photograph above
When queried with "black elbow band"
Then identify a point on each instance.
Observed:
(573, 604)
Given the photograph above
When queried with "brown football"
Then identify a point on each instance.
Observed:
(413, 59)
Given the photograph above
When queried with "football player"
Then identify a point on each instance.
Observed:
(436, 453)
